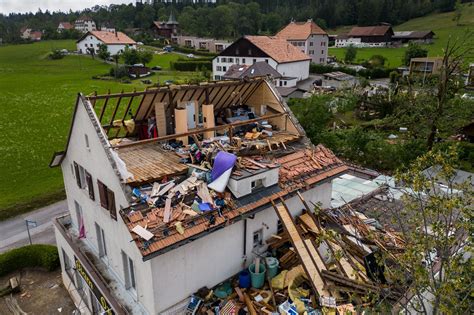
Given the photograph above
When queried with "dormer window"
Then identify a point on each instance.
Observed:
(256, 184)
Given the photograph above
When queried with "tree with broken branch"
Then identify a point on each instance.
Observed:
(436, 226)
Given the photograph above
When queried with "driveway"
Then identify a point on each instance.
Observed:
(13, 232)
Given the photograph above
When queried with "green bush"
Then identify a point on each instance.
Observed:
(375, 73)
(119, 72)
(45, 256)
(188, 50)
(56, 54)
(191, 65)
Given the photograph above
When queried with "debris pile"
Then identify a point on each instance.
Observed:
(327, 263)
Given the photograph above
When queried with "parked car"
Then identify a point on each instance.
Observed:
(156, 68)
(168, 48)
(190, 55)
(169, 82)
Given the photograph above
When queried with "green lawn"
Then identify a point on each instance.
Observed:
(37, 96)
(441, 23)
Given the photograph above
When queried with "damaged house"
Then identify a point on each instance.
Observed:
(176, 188)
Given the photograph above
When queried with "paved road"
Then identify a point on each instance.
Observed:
(13, 231)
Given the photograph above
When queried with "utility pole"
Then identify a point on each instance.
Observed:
(28, 222)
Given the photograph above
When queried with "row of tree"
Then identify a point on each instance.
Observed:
(230, 19)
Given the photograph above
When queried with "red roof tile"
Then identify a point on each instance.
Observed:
(278, 48)
(300, 30)
(111, 38)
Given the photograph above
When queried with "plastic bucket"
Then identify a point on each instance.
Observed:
(244, 279)
(257, 279)
(272, 264)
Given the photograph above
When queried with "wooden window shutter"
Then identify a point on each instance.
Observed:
(90, 185)
(111, 201)
(102, 194)
(78, 176)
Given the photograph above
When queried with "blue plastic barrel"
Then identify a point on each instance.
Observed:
(244, 279)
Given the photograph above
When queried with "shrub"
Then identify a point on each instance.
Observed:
(188, 50)
(118, 72)
(191, 65)
(45, 256)
(375, 73)
(56, 54)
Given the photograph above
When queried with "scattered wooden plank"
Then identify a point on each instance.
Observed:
(167, 215)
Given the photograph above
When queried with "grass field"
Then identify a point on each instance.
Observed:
(441, 23)
(37, 96)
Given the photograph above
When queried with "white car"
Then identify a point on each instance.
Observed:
(190, 55)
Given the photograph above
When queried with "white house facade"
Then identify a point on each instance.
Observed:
(118, 255)
(85, 24)
(309, 38)
(278, 53)
(116, 42)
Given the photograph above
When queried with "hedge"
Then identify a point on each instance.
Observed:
(37, 255)
(375, 73)
(188, 50)
(191, 65)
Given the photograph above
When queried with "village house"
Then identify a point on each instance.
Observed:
(309, 38)
(285, 58)
(420, 37)
(116, 42)
(64, 26)
(164, 198)
(200, 43)
(30, 34)
(371, 36)
(85, 24)
(161, 29)
(425, 65)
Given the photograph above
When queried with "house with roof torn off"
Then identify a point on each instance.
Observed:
(174, 188)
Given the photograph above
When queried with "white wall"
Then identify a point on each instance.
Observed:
(317, 48)
(219, 255)
(93, 41)
(298, 69)
(117, 236)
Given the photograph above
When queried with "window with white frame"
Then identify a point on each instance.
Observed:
(101, 240)
(128, 272)
(219, 68)
(257, 238)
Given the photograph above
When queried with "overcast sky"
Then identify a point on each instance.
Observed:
(8, 6)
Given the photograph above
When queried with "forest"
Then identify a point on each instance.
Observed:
(231, 18)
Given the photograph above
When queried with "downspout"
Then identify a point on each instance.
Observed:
(244, 256)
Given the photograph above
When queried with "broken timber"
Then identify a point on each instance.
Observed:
(305, 250)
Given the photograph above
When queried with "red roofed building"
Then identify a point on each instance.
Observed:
(64, 26)
(309, 38)
(116, 42)
(372, 34)
(282, 56)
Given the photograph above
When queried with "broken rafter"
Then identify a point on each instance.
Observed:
(125, 114)
(102, 111)
(200, 131)
(107, 129)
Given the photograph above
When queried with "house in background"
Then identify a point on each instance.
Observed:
(421, 37)
(85, 24)
(25, 32)
(309, 38)
(339, 80)
(116, 42)
(346, 41)
(64, 26)
(161, 29)
(201, 43)
(29, 34)
(372, 36)
(426, 65)
(282, 56)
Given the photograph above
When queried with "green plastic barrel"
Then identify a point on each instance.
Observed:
(257, 279)
(272, 264)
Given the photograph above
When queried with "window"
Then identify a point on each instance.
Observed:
(231, 60)
(237, 61)
(223, 59)
(243, 60)
(258, 238)
(128, 272)
(219, 68)
(84, 179)
(311, 43)
(224, 68)
(285, 83)
(217, 59)
(266, 60)
(101, 240)
(311, 52)
(281, 83)
(255, 60)
(322, 52)
(217, 77)
(258, 183)
(321, 59)
(86, 138)
(79, 218)
(279, 227)
(250, 52)
(107, 199)
(67, 265)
